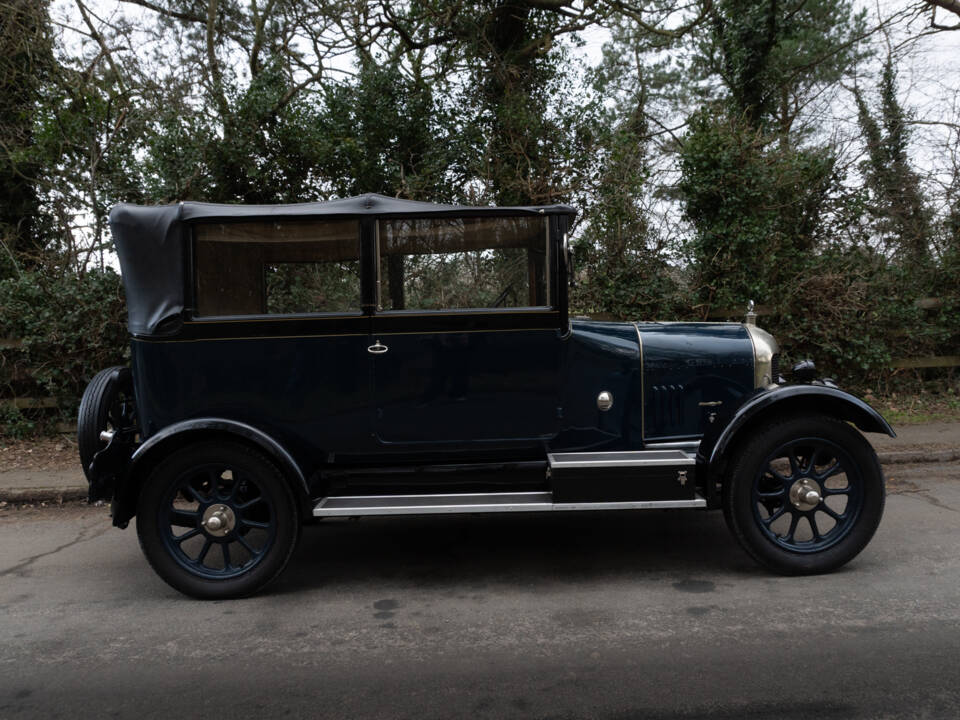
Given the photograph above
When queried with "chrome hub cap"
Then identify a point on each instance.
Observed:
(805, 494)
(218, 520)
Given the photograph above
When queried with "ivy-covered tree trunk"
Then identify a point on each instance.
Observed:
(902, 217)
(25, 59)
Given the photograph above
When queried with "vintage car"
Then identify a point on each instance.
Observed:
(376, 356)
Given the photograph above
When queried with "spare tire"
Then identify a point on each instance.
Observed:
(107, 404)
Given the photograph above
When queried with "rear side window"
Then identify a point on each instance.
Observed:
(277, 267)
(453, 263)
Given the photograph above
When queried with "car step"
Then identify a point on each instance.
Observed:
(622, 476)
(360, 505)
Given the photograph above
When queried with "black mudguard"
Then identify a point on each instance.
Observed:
(820, 398)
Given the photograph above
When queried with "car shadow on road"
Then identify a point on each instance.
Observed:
(529, 549)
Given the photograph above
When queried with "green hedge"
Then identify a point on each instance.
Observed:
(69, 328)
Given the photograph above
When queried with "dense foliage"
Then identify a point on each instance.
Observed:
(719, 151)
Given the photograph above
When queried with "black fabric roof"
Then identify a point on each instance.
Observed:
(151, 243)
(370, 204)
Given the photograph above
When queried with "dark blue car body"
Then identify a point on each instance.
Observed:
(450, 396)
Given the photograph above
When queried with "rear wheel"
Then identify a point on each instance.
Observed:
(217, 520)
(804, 495)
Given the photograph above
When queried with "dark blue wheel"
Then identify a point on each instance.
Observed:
(804, 495)
(217, 520)
(807, 495)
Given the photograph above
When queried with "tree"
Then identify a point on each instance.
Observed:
(902, 217)
(754, 186)
(26, 60)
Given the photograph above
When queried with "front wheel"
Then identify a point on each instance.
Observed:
(217, 520)
(805, 495)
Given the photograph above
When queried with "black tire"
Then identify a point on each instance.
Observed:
(765, 507)
(107, 404)
(185, 488)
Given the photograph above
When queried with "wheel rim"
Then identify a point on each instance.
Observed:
(121, 413)
(217, 522)
(807, 495)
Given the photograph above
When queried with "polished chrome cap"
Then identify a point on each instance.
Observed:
(605, 400)
(805, 494)
(218, 520)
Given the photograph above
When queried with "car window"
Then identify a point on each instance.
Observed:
(450, 263)
(277, 267)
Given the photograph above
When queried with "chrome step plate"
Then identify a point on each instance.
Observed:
(621, 459)
(362, 505)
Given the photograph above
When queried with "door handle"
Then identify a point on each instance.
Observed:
(377, 348)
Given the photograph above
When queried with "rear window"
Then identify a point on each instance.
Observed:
(277, 267)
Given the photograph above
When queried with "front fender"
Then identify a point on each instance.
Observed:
(767, 405)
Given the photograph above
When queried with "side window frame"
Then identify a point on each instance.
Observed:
(192, 311)
(556, 295)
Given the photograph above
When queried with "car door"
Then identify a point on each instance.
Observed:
(468, 347)
(278, 338)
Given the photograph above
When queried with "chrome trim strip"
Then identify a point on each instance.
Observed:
(764, 348)
(341, 506)
(356, 334)
(356, 505)
(643, 388)
(637, 458)
(697, 502)
(689, 445)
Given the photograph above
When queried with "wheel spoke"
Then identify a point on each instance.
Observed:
(249, 503)
(772, 493)
(233, 488)
(834, 469)
(184, 518)
(794, 468)
(249, 548)
(194, 493)
(254, 524)
(836, 491)
(812, 519)
(187, 535)
(774, 516)
(776, 475)
(832, 513)
(204, 550)
(214, 477)
(793, 527)
(226, 556)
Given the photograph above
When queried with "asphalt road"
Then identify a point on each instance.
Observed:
(647, 615)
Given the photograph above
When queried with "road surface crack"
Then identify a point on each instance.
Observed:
(84, 535)
(929, 498)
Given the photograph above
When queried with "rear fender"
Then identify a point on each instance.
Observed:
(170, 438)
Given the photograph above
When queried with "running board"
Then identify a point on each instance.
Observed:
(360, 505)
(623, 476)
